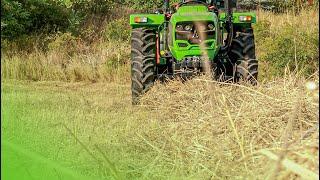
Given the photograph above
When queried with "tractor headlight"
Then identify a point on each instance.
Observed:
(211, 27)
(188, 28)
(245, 18)
(179, 27)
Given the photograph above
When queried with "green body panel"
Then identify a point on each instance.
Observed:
(154, 20)
(188, 14)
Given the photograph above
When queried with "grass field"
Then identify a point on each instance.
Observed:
(196, 130)
(66, 111)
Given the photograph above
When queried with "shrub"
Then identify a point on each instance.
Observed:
(20, 17)
(14, 19)
(118, 30)
(276, 5)
(64, 43)
(287, 43)
(147, 5)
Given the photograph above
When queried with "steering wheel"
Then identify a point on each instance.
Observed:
(192, 1)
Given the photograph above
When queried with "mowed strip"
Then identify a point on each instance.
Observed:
(51, 118)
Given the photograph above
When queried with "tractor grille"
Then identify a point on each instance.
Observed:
(195, 33)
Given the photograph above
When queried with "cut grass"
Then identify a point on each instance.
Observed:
(195, 130)
(33, 115)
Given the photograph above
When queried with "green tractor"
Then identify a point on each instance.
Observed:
(191, 38)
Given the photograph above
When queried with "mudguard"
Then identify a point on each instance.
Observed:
(153, 20)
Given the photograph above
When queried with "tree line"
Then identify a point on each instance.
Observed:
(24, 17)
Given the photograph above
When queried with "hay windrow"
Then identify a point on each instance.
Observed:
(231, 124)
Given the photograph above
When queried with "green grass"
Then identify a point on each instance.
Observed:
(197, 130)
(33, 116)
(51, 118)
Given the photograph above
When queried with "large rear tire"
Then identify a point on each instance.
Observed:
(143, 58)
(243, 54)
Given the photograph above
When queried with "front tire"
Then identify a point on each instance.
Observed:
(243, 54)
(143, 58)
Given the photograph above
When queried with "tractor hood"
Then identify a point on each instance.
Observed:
(192, 13)
(184, 41)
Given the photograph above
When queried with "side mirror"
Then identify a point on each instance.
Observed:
(220, 4)
(233, 3)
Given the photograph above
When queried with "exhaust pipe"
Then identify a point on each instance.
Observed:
(228, 7)
(166, 6)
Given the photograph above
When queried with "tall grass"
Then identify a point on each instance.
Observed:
(104, 61)
(288, 40)
(64, 57)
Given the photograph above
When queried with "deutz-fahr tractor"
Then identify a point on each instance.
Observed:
(190, 38)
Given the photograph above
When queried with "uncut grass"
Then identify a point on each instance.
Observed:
(194, 130)
(100, 62)
(287, 38)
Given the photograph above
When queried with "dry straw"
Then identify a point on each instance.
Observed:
(235, 130)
